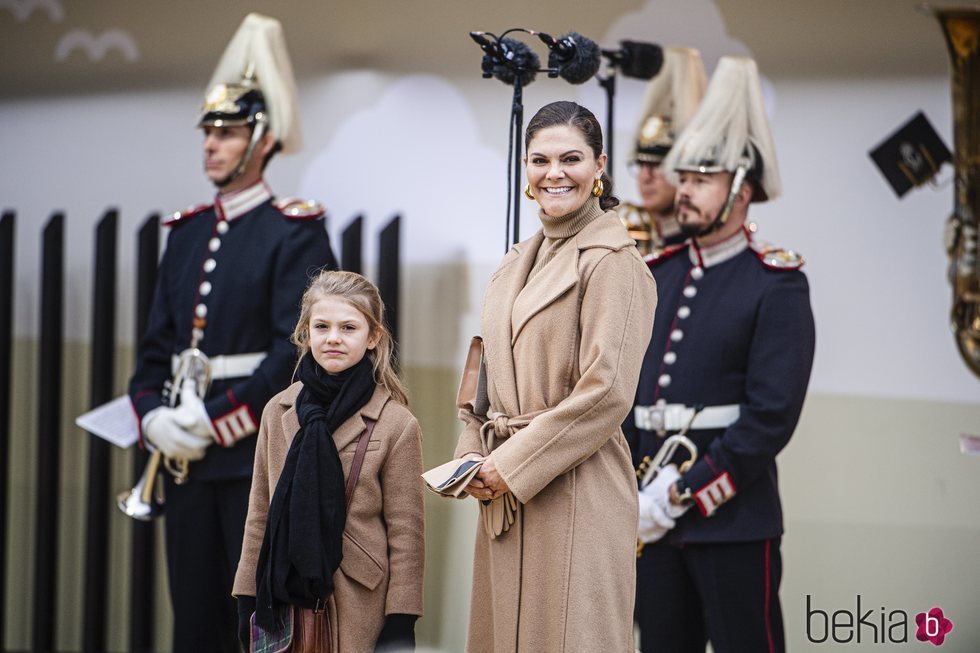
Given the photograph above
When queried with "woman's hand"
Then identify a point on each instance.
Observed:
(491, 479)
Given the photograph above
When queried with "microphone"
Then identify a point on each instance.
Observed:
(485, 44)
(637, 59)
(575, 57)
(508, 60)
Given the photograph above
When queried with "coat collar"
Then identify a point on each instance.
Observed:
(554, 280)
(348, 431)
(512, 301)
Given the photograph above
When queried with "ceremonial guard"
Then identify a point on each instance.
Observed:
(671, 99)
(728, 366)
(217, 347)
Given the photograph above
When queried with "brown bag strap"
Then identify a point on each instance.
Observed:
(355, 468)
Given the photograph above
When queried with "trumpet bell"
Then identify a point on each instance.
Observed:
(144, 502)
(132, 504)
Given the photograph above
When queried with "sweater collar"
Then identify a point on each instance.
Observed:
(568, 225)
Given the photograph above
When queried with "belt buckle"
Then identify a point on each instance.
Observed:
(652, 418)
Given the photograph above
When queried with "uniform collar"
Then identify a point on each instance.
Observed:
(235, 205)
(719, 252)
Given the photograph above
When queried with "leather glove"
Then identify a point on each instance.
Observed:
(191, 414)
(162, 431)
(246, 608)
(656, 516)
(397, 635)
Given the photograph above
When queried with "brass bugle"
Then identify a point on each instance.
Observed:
(143, 502)
(666, 453)
(146, 500)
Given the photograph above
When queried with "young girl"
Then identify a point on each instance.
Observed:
(353, 577)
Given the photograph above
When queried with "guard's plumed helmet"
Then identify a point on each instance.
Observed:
(730, 130)
(253, 84)
(671, 99)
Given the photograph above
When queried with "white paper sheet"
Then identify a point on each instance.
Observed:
(114, 421)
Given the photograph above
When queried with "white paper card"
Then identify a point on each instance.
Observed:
(114, 421)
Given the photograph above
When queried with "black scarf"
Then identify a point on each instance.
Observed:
(302, 547)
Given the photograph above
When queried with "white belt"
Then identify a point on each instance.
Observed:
(675, 417)
(228, 367)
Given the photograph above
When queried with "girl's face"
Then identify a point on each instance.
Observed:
(339, 334)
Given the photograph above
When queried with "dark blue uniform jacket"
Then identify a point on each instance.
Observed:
(747, 339)
(260, 269)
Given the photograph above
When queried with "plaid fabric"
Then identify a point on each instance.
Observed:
(277, 640)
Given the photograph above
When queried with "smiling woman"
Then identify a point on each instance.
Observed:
(566, 320)
(565, 162)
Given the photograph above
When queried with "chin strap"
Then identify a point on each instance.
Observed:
(737, 180)
(257, 132)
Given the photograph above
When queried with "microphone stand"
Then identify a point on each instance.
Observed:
(516, 127)
(608, 83)
(516, 146)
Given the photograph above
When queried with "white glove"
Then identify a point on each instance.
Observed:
(665, 479)
(162, 431)
(191, 415)
(657, 515)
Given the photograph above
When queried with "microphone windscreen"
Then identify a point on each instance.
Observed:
(581, 64)
(640, 60)
(520, 62)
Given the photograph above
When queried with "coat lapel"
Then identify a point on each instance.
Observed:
(553, 281)
(289, 419)
(498, 305)
(348, 432)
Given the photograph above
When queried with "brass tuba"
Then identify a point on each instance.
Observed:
(145, 501)
(961, 27)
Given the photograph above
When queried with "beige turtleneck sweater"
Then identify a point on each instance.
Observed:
(558, 231)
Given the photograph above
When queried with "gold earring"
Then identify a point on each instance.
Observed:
(527, 191)
(597, 188)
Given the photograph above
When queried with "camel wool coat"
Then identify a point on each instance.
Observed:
(564, 350)
(384, 542)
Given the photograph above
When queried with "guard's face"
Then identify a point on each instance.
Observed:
(224, 148)
(700, 197)
(561, 169)
(656, 192)
(339, 334)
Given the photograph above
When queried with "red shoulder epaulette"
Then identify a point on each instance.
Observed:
(180, 217)
(777, 258)
(296, 209)
(659, 256)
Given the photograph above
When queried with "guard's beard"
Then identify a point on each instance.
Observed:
(695, 229)
(689, 229)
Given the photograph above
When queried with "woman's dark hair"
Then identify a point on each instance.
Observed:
(577, 116)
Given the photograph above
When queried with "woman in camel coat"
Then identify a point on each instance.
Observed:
(566, 320)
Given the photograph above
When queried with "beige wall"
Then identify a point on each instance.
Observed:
(880, 502)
